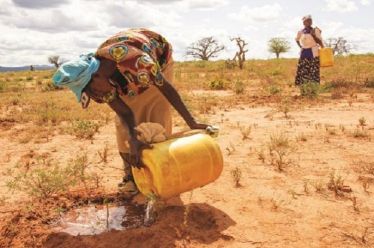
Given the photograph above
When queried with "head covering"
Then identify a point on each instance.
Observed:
(76, 74)
(307, 17)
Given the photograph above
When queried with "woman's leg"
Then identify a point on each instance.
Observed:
(308, 70)
(301, 72)
(315, 70)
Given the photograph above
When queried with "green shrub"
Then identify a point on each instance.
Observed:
(360, 134)
(48, 112)
(42, 181)
(217, 85)
(279, 149)
(8, 86)
(337, 84)
(236, 176)
(276, 72)
(230, 64)
(202, 64)
(369, 83)
(274, 89)
(84, 129)
(239, 87)
(16, 100)
(45, 179)
(49, 86)
(310, 90)
(3, 86)
(78, 168)
(285, 107)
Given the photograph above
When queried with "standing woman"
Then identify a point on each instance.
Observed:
(309, 40)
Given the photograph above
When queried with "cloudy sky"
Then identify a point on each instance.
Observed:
(31, 30)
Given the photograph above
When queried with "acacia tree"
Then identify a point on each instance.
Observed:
(240, 55)
(55, 60)
(278, 46)
(205, 48)
(340, 46)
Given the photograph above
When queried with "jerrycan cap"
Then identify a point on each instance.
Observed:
(212, 131)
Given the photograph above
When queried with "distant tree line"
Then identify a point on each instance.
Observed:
(208, 47)
(339, 45)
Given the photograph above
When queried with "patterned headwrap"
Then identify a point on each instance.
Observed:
(76, 74)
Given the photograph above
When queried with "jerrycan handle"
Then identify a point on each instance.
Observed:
(213, 131)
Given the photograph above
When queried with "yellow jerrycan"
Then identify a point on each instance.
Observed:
(326, 56)
(179, 165)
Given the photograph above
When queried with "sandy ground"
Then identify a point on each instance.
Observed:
(270, 208)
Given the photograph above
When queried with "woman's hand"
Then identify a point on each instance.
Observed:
(127, 118)
(136, 148)
(198, 126)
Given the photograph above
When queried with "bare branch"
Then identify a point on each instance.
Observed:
(55, 60)
(240, 55)
(339, 45)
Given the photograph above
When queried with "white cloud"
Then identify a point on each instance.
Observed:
(332, 28)
(205, 4)
(30, 34)
(39, 4)
(51, 21)
(264, 13)
(128, 14)
(31, 47)
(361, 38)
(159, 1)
(365, 2)
(341, 5)
(189, 4)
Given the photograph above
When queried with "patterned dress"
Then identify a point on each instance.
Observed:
(308, 68)
(140, 56)
(141, 59)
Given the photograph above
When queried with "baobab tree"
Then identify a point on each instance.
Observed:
(339, 45)
(240, 55)
(205, 49)
(278, 46)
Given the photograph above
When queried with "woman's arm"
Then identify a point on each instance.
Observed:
(318, 40)
(174, 98)
(298, 43)
(127, 118)
(298, 37)
(316, 33)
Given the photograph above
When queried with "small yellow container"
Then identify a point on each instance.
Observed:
(326, 56)
(179, 165)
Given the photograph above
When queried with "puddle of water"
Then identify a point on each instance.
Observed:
(93, 220)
